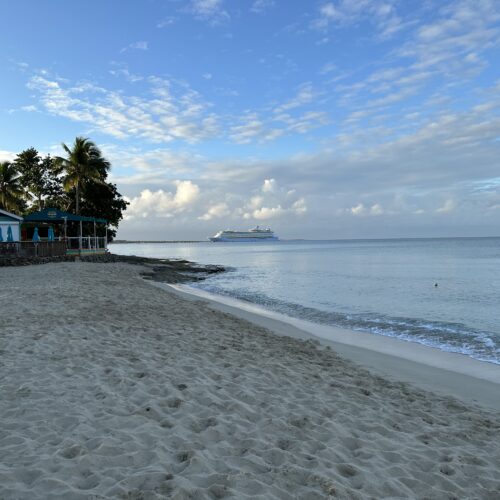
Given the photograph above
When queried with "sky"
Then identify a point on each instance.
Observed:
(319, 119)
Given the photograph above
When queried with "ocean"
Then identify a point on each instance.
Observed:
(384, 287)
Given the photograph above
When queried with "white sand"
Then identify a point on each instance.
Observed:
(429, 368)
(110, 388)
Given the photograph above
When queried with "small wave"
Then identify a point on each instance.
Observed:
(447, 336)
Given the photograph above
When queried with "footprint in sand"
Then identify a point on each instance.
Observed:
(447, 470)
(71, 452)
(174, 402)
(184, 456)
(347, 470)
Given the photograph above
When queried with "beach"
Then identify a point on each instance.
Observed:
(114, 388)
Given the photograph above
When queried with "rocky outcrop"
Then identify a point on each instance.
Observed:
(165, 270)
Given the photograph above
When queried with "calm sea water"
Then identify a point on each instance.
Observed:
(385, 287)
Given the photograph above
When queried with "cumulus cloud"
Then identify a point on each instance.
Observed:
(163, 204)
(7, 155)
(362, 210)
(272, 202)
(269, 186)
(216, 211)
(358, 209)
(265, 213)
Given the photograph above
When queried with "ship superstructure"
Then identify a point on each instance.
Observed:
(255, 234)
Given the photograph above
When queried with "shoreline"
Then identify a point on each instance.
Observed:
(426, 367)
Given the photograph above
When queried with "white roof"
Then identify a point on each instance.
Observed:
(8, 214)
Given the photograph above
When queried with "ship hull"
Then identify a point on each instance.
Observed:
(242, 240)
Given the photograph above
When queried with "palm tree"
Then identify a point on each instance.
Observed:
(84, 163)
(11, 190)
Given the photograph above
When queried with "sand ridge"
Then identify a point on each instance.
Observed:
(113, 389)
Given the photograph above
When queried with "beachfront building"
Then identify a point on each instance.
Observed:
(9, 226)
(79, 234)
(9, 233)
(51, 233)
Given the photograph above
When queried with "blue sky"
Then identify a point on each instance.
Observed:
(332, 119)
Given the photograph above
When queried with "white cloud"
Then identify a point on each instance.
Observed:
(360, 210)
(153, 167)
(167, 112)
(167, 21)
(244, 133)
(7, 155)
(376, 210)
(448, 207)
(209, 10)
(272, 202)
(381, 13)
(253, 129)
(458, 30)
(260, 6)
(299, 206)
(163, 204)
(269, 186)
(142, 45)
(265, 213)
(120, 69)
(305, 95)
(328, 68)
(216, 211)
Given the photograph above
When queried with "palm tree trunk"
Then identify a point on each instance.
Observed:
(77, 198)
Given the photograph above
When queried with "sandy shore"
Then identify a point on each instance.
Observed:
(467, 379)
(111, 388)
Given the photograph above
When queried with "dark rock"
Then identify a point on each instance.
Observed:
(164, 270)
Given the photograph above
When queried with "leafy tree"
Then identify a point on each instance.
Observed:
(38, 176)
(11, 190)
(61, 200)
(102, 200)
(96, 197)
(77, 183)
(84, 163)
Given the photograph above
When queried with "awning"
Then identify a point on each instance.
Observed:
(58, 216)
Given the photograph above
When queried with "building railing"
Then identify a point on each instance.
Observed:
(96, 243)
(8, 249)
(32, 249)
(48, 248)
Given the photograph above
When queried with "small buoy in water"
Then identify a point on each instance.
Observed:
(435, 284)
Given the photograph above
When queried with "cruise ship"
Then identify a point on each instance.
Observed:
(255, 234)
